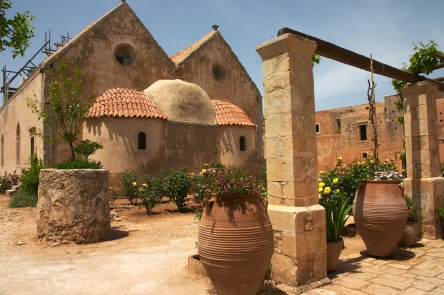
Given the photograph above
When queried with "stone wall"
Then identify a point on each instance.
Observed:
(73, 206)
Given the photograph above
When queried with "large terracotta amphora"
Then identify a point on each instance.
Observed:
(235, 243)
(380, 214)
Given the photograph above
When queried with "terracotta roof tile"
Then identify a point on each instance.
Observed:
(230, 114)
(122, 102)
(181, 55)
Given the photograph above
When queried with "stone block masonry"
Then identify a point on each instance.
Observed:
(73, 205)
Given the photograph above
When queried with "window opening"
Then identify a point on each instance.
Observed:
(362, 132)
(338, 126)
(17, 136)
(365, 155)
(318, 128)
(218, 72)
(32, 145)
(2, 152)
(242, 146)
(123, 56)
(141, 141)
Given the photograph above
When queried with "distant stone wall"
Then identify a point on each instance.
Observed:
(73, 205)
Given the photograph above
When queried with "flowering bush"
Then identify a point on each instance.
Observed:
(7, 181)
(348, 176)
(411, 210)
(151, 190)
(128, 184)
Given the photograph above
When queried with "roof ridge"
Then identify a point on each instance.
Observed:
(188, 51)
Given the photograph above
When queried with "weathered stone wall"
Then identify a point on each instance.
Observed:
(344, 140)
(333, 142)
(14, 116)
(73, 205)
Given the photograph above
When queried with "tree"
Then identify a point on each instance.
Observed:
(70, 97)
(15, 32)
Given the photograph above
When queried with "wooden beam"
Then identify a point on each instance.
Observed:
(351, 58)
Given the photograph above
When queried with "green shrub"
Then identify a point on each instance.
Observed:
(128, 184)
(151, 191)
(177, 185)
(82, 163)
(86, 148)
(30, 177)
(21, 198)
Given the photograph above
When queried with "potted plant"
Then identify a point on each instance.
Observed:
(336, 210)
(412, 227)
(235, 241)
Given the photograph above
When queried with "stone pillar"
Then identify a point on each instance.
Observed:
(291, 154)
(424, 183)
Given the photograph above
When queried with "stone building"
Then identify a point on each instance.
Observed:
(151, 111)
(347, 132)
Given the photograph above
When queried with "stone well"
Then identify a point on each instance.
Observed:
(73, 205)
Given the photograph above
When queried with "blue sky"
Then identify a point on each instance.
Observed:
(384, 28)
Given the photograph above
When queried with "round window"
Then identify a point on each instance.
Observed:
(218, 72)
(124, 54)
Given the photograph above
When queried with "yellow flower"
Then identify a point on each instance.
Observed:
(134, 183)
(192, 174)
(339, 158)
(321, 184)
(205, 165)
(336, 163)
(145, 185)
(200, 173)
(386, 160)
(320, 189)
(337, 190)
(214, 171)
(371, 161)
(359, 163)
(335, 180)
(140, 189)
(319, 196)
(327, 190)
(393, 159)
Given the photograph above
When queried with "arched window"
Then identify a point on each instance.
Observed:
(141, 141)
(17, 136)
(2, 152)
(242, 145)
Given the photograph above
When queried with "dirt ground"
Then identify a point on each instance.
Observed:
(145, 255)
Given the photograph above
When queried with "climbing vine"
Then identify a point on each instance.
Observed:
(422, 61)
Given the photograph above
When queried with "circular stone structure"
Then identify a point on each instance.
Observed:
(73, 205)
(182, 101)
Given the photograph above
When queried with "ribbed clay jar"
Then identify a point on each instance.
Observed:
(380, 214)
(235, 243)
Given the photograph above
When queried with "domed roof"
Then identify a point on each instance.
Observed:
(182, 101)
(230, 114)
(122, 102)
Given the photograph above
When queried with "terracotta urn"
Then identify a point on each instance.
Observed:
(410, 235)
(380, 213)
(235, 243)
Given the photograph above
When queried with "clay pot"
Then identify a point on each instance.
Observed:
(349, 230)
(334, 250)
(380, 214)
(410, 235)
(235, 243)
